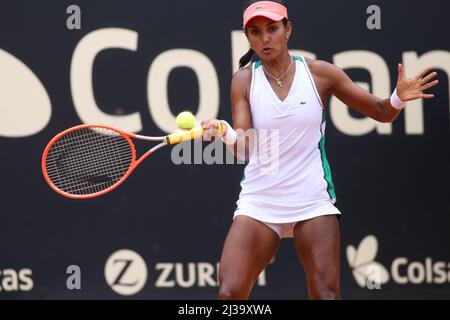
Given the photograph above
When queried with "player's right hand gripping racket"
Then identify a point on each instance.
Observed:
(88, 161)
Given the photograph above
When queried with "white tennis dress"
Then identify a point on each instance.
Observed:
(288, 179)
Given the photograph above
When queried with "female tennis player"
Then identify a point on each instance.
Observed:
(289, 94)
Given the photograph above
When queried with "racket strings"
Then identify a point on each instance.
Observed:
(88, 160)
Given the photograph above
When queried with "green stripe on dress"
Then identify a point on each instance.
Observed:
(326, 165)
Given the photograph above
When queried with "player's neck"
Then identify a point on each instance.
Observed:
(278, 65)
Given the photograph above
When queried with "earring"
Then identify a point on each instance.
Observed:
(287, 38)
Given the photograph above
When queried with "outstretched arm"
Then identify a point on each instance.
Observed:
(371, 106)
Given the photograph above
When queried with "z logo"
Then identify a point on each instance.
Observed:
(126, 272)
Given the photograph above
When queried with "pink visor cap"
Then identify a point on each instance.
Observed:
(272, 10)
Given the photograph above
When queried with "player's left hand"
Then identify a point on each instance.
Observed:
(411, 89)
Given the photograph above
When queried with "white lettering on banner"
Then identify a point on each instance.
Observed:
(198, 274)
(81, 76)
(25, 107)
(395, 270)
(417, 272)
(11, 280)
(367, 271)
(23, 115)
(158, 76)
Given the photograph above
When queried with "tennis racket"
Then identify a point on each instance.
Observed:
(88, 161)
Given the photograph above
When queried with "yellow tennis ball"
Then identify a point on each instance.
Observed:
(185, 120)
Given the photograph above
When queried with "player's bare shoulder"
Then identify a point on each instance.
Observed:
(241, 81)
(319, 67)
(243, 75)
(323, 72)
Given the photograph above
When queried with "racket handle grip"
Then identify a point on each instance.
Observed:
(178, 137)
(194, 133)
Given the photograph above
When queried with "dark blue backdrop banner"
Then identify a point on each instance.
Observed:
(135, 65)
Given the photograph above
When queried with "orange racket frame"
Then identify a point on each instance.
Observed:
(171, 139)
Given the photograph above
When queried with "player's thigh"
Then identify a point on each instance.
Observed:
(317, 243)
(248, 248)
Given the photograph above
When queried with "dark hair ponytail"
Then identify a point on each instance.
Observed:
(246, 58)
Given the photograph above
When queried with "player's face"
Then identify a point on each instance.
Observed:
(267, 37)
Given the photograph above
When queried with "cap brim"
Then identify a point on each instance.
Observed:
(270, 15)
